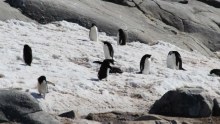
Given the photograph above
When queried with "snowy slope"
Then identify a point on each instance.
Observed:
(64, 54)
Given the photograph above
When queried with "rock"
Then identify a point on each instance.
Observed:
(70, 114)
(214, 3)
(152, 122)
(114, 116)
(216, 107)
(40, 117)
(3, 119)
(188, 26)
(184, 102)
(148, 117)
(8, 12)
(17, 106)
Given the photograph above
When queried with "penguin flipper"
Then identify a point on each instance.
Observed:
(98, 62)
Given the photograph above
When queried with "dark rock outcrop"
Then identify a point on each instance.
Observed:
(113, 116)
(21, 107)
(216, 107)
(184, 102)
(214, 3)
(70, 114)
(135, 118)
(188, 26)
(7, 12)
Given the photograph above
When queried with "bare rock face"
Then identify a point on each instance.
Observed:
(114, 116)
(184, 102)
(190, 24)
(216, 107)
(21, 107)
(7, 12)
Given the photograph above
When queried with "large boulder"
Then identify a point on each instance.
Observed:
(216, 108)
(7, 12)
(21, 107)
(188, 26)
(184, 102)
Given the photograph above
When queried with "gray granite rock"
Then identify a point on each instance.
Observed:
(191, 26)
(115, 116)
(8, 12)
(69, 114)
(40, 117)
(21, 107)
(184, 102)
(216, 108)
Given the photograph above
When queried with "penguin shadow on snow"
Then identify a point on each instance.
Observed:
(94, 79)
(37, 95)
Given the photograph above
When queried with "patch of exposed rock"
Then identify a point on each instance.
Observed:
(17, 106)
(193, 25)
(184, 102)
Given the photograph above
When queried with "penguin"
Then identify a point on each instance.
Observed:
(174, 60)
(93, 33)
(27, 54)
(104, 69)
(108, 50)
(112, 69)
(121, 37)
(42, 85)
(215, 72)
(145, 64)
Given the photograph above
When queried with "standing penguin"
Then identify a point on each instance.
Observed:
(93, 33)
(145, 64)
(27, 54)
(104, 69)
(42, 85)
(121, 37)
(174, 60)
(108, 50)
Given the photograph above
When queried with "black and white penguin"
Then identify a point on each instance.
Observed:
(145, 64)
(215, 72)
(104, 69)
(42, 85)
(27, 55)
(121, 37)
(174, 60)
(108, 50)
(112, 69)
(93, 33)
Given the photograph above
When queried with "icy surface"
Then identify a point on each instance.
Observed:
(64, 54)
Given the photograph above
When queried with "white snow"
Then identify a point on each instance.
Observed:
(64, 54)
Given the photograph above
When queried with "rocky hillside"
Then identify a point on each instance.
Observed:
(189, 24)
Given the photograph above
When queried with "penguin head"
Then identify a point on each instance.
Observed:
(110, 61)
(148, 55)
(41, 79)
(173, 52)
(107, 62)
(105, 42)
(170, 53)
(93, 24)
(120, 30)
(26, 46)
(214, 71)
